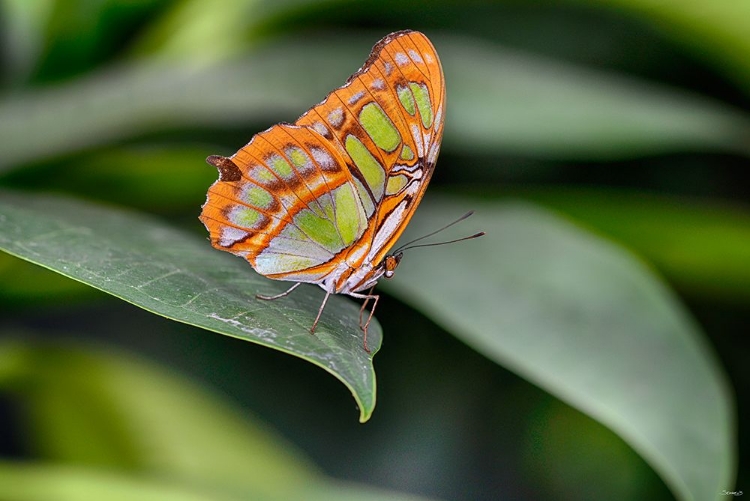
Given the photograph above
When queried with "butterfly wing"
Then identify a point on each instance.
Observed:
(341, 183)
(387, 121)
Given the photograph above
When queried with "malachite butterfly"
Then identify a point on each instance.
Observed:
(324, 199)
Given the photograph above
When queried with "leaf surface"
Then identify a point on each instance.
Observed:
(587, 322)
(180, 277)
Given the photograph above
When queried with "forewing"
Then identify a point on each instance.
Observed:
(387, 122)
(352, 169)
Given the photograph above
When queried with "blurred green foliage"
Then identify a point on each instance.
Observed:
(604, 145)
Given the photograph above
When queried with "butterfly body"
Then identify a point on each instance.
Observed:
(323, 200)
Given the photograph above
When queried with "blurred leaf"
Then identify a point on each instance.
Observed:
(577, 458)
(81, 34)
(23, 282)
(34, 482)
(37, 482)
(115, 427)
(169, 178)
(528, 105)
(134, 100)
(167, 272)
(512, 102)
(106, 410)
(198, 31)
(717, 31)
(23, 23)
(702, 246)
(585, 321)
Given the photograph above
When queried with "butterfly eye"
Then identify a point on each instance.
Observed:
(391, 262)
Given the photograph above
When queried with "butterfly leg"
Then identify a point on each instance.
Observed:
(364, 305)
(320, 312)
(277, 296)
(286, 293)
(367, 298)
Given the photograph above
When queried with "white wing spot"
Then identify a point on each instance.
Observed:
(412, 189)
(428, 58)
(417, 136)
(401, 59)
(336, 117)
(321, 129)
(386, 229)
(356, 97)
(378, 84)
(323, 158)
(438, 118)
(433, 154)
(415, 56)
(230, 235)
(388, 68)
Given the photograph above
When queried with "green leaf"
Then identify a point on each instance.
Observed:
(702, 246)
(80, 34)
(180, 277)
(164, 178)
(23, 39)
(716, 31)
(524, 104)
(197, 31)
(103, 409)
(587, 322)
(32, 283)
(111, 426)
(34, 482)
(512, 102)
(37, 482)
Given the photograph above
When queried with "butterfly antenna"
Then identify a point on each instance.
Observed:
(408, 245)
(435, 244)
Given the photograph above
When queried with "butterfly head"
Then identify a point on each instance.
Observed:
(390, 264)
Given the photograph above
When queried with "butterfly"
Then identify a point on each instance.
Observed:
(324, 199)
